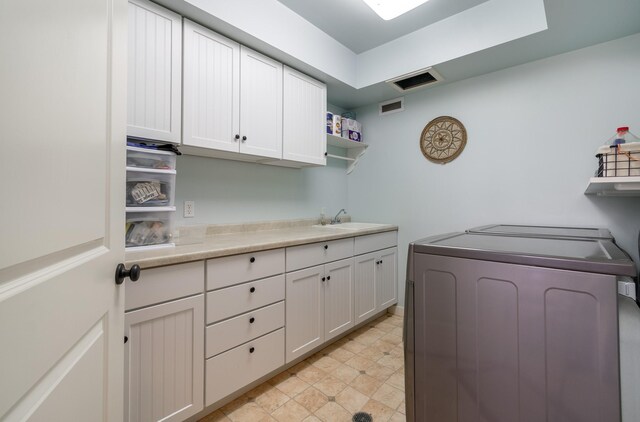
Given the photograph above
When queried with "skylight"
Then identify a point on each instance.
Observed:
(389, 9)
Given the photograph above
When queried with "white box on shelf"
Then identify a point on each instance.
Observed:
(352, 130)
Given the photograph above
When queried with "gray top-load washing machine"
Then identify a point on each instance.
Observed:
(512, 328)
(550, 232)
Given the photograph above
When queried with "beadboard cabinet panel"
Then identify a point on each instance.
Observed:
(338, 298)
(304, 109)
(365, 286)
(211, 89)
(386, 278)
(154, 108)
(260, 105)
(305, 311)
(164, 361)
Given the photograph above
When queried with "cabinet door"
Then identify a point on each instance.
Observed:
(154, 76)
(386, 278)
(305, 311)
(365, 286)
(338, 298)
(260, 105)
(304, 136)
(211, 89)
(164, 361)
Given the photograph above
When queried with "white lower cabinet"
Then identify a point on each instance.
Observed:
(376, 282)
(319, 302)
(386, 278)
(232, 370)
(164, 361)
(338, 298)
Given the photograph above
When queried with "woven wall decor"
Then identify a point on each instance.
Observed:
(443, 139)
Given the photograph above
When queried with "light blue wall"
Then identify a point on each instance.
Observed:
(532, 134)
(232, 191)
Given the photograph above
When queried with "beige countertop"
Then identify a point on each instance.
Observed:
(237, 239)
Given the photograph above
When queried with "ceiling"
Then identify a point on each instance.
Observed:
(313, 35)
(357, 27)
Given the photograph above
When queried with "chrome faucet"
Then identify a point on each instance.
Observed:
(336, 220)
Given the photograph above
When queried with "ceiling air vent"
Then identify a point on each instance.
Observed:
(392, 106)
(415, 80)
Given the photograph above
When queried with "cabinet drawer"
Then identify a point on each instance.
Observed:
(238, 367)
(375, 242)
(164, 283)
(232, 332)
(304, 256)
(230, 270)
(239, 299)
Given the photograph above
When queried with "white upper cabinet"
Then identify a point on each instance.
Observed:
(232, 96)
(154, 74)
(260, 105)
(304, 112)
(211, 89)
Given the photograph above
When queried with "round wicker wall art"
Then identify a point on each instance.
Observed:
(443, 139)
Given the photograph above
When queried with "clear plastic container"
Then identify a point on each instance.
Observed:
(148, 228)
(150, 188)
(150, 158)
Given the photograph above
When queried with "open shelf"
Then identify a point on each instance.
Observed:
(355, 150)
(614, 186)
(340, 142)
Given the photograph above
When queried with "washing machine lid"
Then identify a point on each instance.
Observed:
(588, 255)
(544, 231)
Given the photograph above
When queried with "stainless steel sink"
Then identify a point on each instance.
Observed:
(351, 226)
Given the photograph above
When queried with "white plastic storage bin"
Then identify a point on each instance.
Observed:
(148, 228)
(150, 158)
(150, 188)
(619, 161)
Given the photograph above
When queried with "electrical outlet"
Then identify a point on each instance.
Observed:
(189, 209)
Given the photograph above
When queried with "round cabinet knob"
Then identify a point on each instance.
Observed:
(237, 137)
(324, 278)
(121, 273)
(126, 339)
(252, 290)
(244, 138)
(252, 320)
(252, 349)
(326, 247)
(328, 278)
(381, 261)
(252, 259)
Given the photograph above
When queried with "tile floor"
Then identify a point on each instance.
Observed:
(364, 371)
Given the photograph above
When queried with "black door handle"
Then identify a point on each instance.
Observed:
(252, 259)
(324, 278)
(121, 273)
(237, 136)
(253, 289)
(328, 278)
(252, 320)
(252, 349)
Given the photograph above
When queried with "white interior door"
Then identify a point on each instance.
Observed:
(62, 128)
